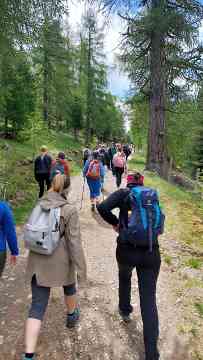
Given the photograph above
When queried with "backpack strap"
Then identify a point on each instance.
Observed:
(62, 217)
(136, 193)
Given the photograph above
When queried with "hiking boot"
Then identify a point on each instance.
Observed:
(125, 318)
(72, 319)
(93, 207)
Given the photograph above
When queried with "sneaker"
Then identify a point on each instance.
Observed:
(72, 319)
(125, 318)
(93, 207)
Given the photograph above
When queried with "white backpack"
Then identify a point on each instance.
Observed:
(42, 231)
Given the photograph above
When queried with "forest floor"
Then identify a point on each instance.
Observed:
(101, 334)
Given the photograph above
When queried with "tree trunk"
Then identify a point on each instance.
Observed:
(157, 159)
(75, 134)
(45, 90)
(6, 125)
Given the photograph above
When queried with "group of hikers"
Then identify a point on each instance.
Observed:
(52, 235)
(96, 163)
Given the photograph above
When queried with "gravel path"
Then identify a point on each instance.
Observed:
(101, 334)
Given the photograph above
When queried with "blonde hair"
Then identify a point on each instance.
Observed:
(60, 182)
(43, 148)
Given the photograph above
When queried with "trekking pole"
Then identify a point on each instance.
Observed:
(83, 191)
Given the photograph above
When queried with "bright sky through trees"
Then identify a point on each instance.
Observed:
(117, 81)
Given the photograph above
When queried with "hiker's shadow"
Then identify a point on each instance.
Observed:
(124, 339)
(133, 334)
(134, 338)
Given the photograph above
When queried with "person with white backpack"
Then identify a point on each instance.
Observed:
(120, 165)
(52, 234)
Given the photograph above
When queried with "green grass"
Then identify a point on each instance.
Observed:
(167, 259)
(195, 263)
(22, 212)
(22, 191)
(199, 308)
(137, 163)
(193, 283)
(55, 141)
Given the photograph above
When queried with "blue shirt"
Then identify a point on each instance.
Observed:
(7, 230)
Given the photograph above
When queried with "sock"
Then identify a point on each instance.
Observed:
(70, 314)
(29, 355)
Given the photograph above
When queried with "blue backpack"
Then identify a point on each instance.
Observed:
(145, 219)
(58, 168)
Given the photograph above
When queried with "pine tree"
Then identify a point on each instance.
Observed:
(94, 70)
(17, 92)
(161, 45)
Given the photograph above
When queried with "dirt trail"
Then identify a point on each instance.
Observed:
(101, 334)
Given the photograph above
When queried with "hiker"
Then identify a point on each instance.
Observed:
(111, 152)
(86, 155)
(101, 152)
(102, 158)
(7, 236)
(57, 269)
(60, 166)
(120, 166)
(42, 169)
(138, 248)
(94, 173)
(127, 151)
(107, 159)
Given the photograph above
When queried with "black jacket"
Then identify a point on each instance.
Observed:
(42, 165)
(116, 200)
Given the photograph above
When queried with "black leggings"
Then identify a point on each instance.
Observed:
(42, 179)
(147, 267)
(40, 298)
(118, 172)
(2, 261)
